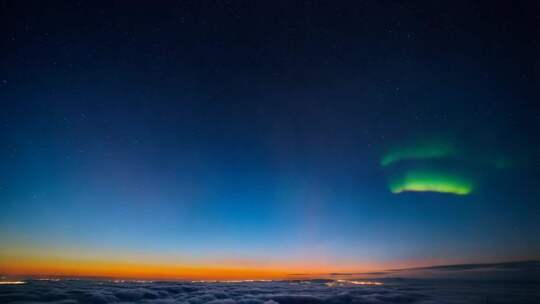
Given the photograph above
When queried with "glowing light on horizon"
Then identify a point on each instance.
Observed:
(366, 283)
(229, 281)
(345, 282)
(131, 281)
(12, 282)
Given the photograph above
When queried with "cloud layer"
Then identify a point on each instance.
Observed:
(282, 292)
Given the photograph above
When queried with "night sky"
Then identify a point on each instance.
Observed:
(267, 138)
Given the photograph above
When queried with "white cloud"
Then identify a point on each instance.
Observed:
(282, 292)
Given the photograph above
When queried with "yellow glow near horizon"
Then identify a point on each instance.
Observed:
(45, 262)
(119, 268)
(133, 270)
(353, 282)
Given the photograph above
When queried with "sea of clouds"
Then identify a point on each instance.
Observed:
(273, 292)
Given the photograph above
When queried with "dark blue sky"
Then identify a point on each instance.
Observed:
(250, 134)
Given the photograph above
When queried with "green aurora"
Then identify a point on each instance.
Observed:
(433, 180)
(429, 166)
(420, 151)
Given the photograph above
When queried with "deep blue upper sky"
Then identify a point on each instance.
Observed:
(252, 133)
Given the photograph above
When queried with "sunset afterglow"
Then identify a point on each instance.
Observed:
(269, 152)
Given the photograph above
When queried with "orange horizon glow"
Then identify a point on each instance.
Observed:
(17, 263)
(26, 261)
(114, 269)
(110, 268)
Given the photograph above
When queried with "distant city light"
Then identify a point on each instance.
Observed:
(344, 282)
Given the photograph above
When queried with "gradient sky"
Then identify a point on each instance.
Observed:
(252, 139)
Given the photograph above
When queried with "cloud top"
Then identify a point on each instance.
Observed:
(275, 292)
